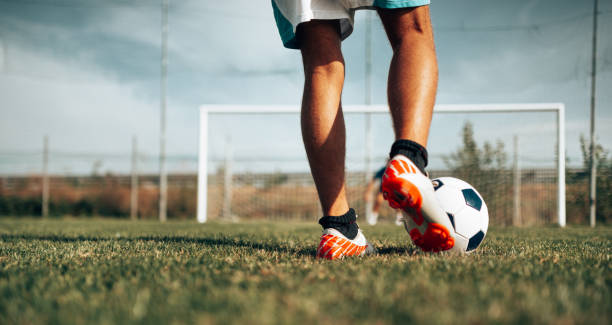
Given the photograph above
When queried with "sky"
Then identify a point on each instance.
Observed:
(87, 75)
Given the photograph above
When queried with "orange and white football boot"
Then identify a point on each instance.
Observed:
(335, 245)
(405, 187)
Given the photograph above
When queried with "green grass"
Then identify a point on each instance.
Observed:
(105, 271)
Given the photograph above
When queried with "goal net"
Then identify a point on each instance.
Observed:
(252, 164)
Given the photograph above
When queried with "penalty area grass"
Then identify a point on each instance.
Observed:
(83, 271)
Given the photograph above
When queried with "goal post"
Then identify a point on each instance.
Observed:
(206, 111)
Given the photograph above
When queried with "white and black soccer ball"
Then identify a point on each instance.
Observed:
(466, 210)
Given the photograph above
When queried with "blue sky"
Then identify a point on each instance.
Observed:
(87, 74)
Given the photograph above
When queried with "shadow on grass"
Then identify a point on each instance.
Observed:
(228, 242)
(224, 242)
(398, 250)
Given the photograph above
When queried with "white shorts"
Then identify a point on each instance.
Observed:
(290, 13)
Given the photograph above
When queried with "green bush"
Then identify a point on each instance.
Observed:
(578, 186)
(485, 169)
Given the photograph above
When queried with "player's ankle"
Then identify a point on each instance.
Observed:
(412, 150)
(346, 224)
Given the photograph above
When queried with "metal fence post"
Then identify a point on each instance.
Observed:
(45, 178)
(227, 181)
(516, 218)
(134, 181)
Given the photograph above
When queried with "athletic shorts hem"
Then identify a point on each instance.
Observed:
(287, 25)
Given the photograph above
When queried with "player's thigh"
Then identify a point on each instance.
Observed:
(379, 198)
(406, 22)
(319, 41)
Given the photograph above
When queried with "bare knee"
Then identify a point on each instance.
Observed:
(330, 71)
(323, 64)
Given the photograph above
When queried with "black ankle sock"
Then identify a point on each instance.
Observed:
(346, 224)
(414, 151)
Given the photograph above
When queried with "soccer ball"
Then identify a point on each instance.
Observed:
(466, 210)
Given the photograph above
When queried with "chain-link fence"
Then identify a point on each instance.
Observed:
(108, 195)
(293, 196)
(288, 196)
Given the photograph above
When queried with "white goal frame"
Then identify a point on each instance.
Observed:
(206, 110)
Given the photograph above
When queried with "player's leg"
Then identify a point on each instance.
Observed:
(322, 121)
(411, 90)
(373, 207)
(399, 218)
(377, 203)
(323, 133)
(413, 73)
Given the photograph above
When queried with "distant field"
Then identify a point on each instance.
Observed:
(104, 271)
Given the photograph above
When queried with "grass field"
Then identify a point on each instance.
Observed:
(105, 271)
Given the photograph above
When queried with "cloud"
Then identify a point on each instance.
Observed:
(120, 22)
(80, 107)
(233, 40)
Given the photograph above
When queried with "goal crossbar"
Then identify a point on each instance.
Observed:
(206, 110)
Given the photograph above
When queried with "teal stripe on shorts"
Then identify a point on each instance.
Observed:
(394, 4)
(285, 29)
